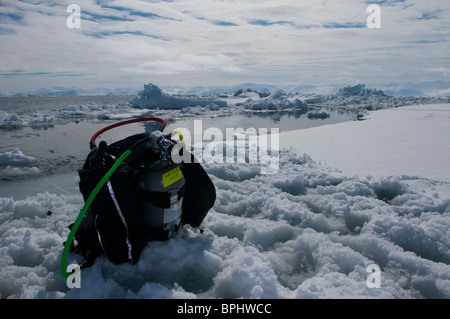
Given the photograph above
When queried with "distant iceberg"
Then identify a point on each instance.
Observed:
(14, 157)
(275, 101)
(153, 98)
(10, 120)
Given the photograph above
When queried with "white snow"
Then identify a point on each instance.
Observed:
(345, 197)
(411, 141)
(14, 157)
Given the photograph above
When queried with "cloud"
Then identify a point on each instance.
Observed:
(443, 70)
(206, 42)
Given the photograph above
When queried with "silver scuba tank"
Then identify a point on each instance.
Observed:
(162, 183)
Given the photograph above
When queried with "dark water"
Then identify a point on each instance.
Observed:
(283, 120)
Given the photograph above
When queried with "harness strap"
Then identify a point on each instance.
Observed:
(122, 218)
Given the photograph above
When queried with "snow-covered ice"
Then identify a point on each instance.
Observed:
(14, 157)
(411, 141)
(345, 197)
(10, 120)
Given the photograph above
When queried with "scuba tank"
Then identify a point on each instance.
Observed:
(135, 193)
(161, 184)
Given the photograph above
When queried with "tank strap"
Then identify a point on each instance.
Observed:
(161, 199)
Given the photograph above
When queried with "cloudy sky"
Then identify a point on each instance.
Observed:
(127, 43)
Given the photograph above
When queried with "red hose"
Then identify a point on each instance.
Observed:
(141, 119)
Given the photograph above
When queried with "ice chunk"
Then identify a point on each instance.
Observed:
(14, 157)
(153, 97)
(10, 120)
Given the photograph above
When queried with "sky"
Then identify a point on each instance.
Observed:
(187, 43)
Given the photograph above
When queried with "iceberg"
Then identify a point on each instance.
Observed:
(14, 157)
(10, 120)
(152, 97)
